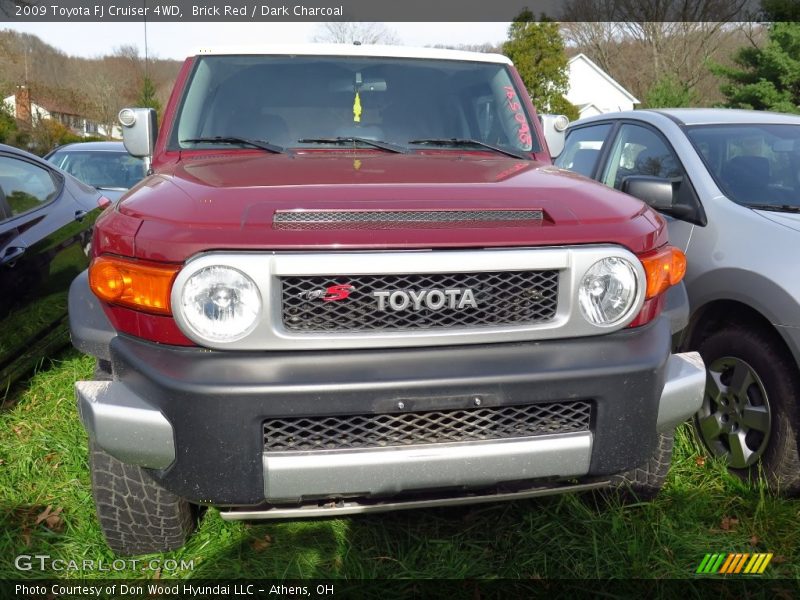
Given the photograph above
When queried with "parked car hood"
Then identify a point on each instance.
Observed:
(230, 201)
(791, 220)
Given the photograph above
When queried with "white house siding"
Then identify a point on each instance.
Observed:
(593, 90)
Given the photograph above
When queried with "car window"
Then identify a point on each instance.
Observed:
(639, 151)
(101, 169)
(285, 99)
(582, 149)
(753, 164)
(24, 186)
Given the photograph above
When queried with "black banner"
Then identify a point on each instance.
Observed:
(737, 588)
(377, 10)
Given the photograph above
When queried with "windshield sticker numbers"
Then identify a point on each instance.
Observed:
(524, 132)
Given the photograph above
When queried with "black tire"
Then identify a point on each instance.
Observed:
(137, 516)
(768, 399)
(645, 482)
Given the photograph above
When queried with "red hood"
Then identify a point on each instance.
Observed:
(228, 201)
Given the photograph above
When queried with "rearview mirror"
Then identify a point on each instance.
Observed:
(656, 192)
(554, 127)
(139, 132)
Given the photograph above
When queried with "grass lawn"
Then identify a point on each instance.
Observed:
(702, 510)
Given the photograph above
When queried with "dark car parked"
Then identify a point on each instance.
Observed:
(106, 166)
(46, 219)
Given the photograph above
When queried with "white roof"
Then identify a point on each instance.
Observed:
(606, 76)
(360, 50)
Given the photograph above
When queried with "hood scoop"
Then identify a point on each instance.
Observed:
(300, 220)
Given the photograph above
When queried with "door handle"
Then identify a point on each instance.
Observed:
(11, 255)
(79, 214)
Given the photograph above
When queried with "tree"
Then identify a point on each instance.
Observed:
(640, 42)
(766, 78)
(344, 32)
(147, 95)
(669, 92)
(537, 50)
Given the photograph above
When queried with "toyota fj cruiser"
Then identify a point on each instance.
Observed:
(354, 282)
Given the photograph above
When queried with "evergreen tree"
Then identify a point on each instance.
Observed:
(147, 95)
(537, 50)
(766, 78)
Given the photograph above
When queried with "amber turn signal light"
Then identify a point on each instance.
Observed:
(135, 284)
(664, 269)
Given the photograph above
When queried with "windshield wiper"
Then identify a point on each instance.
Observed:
(469, 142)
(263, 144)
(775, 207)
(355, 140)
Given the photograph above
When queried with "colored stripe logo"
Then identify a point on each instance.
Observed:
(731, 564)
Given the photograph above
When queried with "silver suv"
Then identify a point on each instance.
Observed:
(728, 182)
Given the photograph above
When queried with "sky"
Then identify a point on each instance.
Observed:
(179, 40)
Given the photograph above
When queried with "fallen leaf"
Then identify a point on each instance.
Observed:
(2, 462)
(755, 540)
(17, 429)
(157, 574)
(50, 457)
(700, 461)
(729, 523)
(260, 544)
(51, 519)
(779, 559)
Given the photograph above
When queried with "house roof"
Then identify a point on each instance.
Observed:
(603, 74)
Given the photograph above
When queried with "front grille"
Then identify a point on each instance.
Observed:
(399, 219)
(501, 298)
(341, 432)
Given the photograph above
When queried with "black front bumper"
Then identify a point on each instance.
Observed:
(216, 402)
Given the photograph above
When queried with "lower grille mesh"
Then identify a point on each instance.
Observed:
(340, 432)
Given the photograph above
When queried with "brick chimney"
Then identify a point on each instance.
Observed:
(23, 104)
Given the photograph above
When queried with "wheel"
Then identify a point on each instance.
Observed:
(749, 414)
(645, 482)
(137, 516)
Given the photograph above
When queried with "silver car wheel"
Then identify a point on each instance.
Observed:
(734, 421)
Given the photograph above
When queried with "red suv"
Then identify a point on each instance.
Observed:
(353, 282)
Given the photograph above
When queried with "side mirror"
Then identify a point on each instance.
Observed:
(554, 127)
(656, 192)
(139, 132)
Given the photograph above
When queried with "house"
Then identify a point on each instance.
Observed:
(29, 111)
(593, 90)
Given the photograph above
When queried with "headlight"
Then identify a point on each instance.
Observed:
(220, 304)
(608, 291)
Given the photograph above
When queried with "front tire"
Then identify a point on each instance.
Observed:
(749, 415)
(137, 516)
(645, 481)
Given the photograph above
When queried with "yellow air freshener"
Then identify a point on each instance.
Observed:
(357, 109)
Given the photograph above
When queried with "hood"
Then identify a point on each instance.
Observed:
(229, 201)
(790, 220)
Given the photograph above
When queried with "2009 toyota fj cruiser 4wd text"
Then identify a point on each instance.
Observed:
(354, 282)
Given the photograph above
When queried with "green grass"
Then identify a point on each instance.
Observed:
(701, 510)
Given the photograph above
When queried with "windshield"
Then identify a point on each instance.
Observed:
(101, 169)
(284, 99)
(754, 165)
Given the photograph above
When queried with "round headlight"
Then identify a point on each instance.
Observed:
(608, 291)
(220, 304)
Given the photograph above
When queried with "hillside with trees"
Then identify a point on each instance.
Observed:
(94, 88)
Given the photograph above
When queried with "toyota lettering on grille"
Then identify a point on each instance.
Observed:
(452, 298)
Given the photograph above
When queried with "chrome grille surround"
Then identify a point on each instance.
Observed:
(267, 268)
